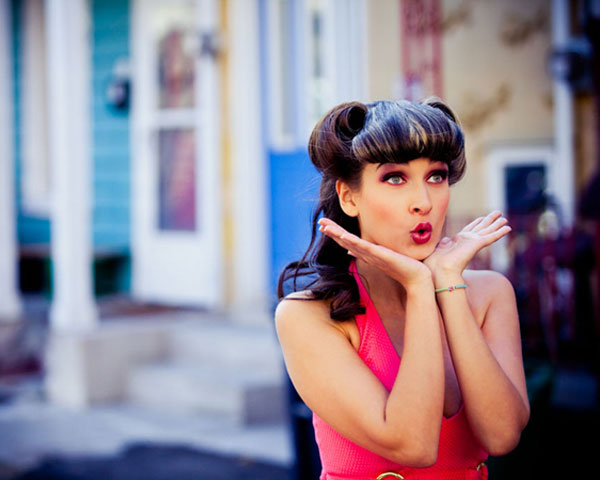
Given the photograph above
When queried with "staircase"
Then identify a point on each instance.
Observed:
(214, 367)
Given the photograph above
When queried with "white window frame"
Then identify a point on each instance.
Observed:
(280, 137)
(344, 63)
(35, 162)
(345, 56)
(498, 158)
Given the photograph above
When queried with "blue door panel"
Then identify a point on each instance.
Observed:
(294, 195)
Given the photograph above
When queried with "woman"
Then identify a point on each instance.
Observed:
(411, 364)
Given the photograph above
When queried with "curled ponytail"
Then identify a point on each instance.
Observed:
(330, 150)
(330, 144)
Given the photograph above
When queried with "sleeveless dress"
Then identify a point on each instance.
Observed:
(460, 457)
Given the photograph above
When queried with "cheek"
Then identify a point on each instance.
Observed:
(440, 200)
(441, 209)
(382, 208)
(443, 205)
(375, 217)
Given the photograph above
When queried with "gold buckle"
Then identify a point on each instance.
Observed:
(390, 474)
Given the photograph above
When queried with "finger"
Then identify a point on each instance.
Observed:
(488, 220)
(335, 231)
(327, 225)
(444, 241)
(326, 221)
(473, 224)
(497, 235)
(344, 238)
(498, 223)
(357, 247)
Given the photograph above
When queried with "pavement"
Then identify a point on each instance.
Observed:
(39, 440)
(32, 429)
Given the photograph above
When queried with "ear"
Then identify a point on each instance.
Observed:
(347, 198)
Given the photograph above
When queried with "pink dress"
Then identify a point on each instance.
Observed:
(459, 454)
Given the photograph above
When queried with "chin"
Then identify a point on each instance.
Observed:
(421, 252)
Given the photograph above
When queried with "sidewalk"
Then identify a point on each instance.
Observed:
(157, 463)
(118, 442)
(43, 441)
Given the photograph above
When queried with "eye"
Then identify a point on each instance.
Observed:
(393, 179)
(439, 176)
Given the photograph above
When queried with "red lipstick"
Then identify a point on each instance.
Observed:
(421, 233)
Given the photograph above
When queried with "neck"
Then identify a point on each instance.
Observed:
(381, 286)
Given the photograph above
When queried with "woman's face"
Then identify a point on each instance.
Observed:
(403, 206)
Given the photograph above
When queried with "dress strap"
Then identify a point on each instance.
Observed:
(365, 300)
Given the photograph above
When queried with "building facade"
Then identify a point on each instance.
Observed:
(159, 148)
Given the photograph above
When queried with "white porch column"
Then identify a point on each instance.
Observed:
(249, 182)
(562, 177)
(68, 49)
(10, 307)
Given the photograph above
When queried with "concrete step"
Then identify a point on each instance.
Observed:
(243, 397)
(242, 347)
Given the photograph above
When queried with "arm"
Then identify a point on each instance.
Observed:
(488, 360)
(403, 424)
(488, 363)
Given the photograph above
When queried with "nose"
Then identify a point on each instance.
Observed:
(420, 201)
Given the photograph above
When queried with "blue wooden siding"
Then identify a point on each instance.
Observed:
(110, 128)
(110, 133)
(109, 148)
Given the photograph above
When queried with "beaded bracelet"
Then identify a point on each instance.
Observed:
(449, 289)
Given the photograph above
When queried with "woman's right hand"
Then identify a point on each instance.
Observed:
(406, 270)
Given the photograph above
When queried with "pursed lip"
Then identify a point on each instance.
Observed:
(421, 234)
(422, 228)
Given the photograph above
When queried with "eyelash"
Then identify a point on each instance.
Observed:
(441, 173)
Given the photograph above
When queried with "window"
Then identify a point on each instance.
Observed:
(517, 181)
(316, 59)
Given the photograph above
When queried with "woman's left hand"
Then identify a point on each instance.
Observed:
(452, 255)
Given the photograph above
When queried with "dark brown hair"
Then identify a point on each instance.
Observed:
(347, 138)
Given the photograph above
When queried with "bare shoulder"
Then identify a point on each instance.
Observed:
(299, 304)
(486, 288)
(486, 279)
(301, 311)
(302, 295)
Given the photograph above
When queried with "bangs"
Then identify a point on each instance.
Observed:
(399, 132)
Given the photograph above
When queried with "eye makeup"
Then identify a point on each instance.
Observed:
(398, 177)
(394, 178)
(441, 173)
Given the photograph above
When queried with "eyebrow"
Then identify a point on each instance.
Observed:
(381, 164)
